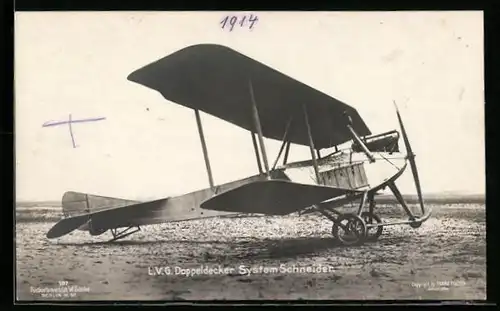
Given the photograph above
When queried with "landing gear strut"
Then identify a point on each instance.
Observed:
(355, 228)
(124, 233)
(372, 220)
(374, 231)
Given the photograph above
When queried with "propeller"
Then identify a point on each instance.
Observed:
(411, 158)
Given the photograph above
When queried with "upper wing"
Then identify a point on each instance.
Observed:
(272, 197)
(215, 79)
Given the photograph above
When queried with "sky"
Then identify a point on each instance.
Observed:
(430, 63)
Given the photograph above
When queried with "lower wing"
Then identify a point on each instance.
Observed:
(272, 197)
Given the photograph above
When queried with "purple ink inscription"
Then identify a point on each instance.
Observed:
(69, 122)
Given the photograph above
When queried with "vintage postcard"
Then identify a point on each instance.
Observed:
(249, 156)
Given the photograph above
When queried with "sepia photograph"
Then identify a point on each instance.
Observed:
(236, 156)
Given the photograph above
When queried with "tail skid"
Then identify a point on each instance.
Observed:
(124, 233)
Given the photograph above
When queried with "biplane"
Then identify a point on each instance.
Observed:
(224, 83)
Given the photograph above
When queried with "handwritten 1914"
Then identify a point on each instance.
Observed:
(230, 21)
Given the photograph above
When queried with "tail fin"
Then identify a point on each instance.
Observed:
(77, 204)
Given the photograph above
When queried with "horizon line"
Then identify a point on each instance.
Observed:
(444, 193)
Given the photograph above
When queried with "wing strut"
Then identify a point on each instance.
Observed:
(256, 120)
(283, 143)
(256, 148)
(356, 138)
(311, 144)
(287, 150)
(204, 147)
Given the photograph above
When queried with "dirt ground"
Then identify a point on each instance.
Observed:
(289, 257)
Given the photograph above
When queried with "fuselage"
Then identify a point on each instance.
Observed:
(347, 169)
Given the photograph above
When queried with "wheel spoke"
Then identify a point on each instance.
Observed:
(353, 232)
(373, 233)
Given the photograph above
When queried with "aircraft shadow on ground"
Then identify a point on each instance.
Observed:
(239, 248)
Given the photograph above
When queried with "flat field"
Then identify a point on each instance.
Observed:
(291, 257)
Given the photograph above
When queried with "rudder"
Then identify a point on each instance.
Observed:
(77, 204)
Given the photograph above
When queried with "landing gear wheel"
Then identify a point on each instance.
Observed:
(352, 231)
(373, 233)
(415, 224)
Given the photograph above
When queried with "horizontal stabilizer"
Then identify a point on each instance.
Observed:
(66, 226)
(272, 197)
(117, 217)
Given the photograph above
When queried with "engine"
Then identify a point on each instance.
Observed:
(385, 142)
